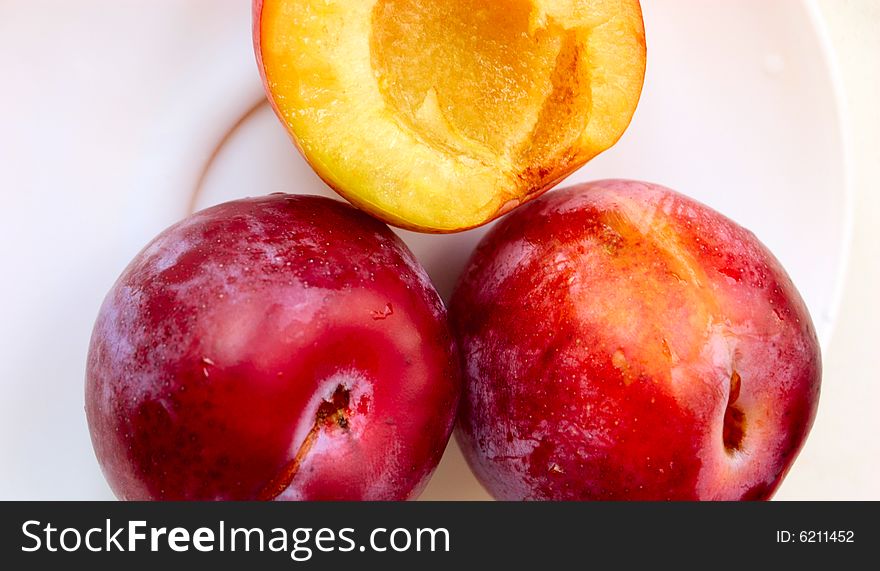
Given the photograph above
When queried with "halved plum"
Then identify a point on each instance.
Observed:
(440, 115)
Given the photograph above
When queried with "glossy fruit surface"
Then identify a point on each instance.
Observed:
(283, 347)
(622, 341)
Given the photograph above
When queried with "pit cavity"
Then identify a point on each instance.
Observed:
(483, 79)
(733, 432)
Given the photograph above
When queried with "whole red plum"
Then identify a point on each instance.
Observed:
(285, 347)
(624, 342)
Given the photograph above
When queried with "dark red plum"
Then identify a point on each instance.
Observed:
(285, 347)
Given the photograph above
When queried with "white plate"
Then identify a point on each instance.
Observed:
(111, 113)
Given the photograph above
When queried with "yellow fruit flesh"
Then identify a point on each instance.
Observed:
(439, 114)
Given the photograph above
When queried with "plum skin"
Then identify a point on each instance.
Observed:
(284, 347)
(623, 342)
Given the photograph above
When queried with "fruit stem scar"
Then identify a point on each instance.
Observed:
(733, 430)
(333, 412)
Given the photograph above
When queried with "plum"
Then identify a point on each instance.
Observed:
(284, 347)
(624, 342)
(441, 115)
